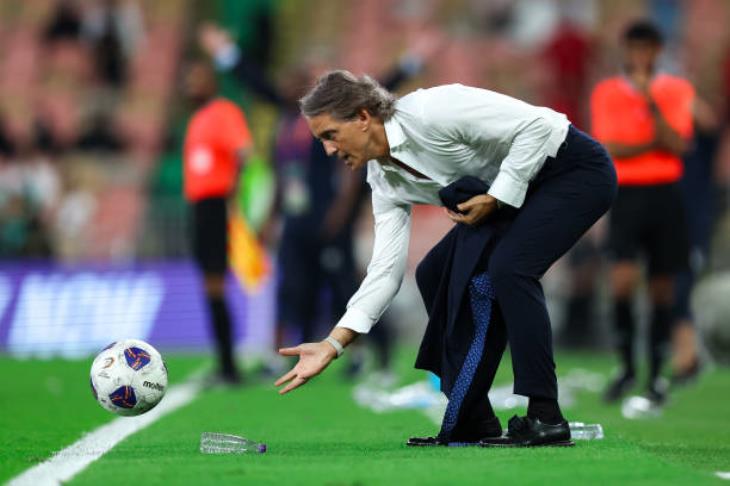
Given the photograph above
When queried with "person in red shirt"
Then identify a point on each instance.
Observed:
(644, 118)
(217, 142)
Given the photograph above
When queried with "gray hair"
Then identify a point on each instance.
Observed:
(341, 94)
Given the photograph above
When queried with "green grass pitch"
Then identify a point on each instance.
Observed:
(318, 435)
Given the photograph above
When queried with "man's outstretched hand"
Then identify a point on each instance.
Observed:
(313, 359)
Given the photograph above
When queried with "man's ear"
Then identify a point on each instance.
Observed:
(364, 118)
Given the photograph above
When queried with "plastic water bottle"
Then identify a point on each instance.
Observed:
(214, 443)
(581, 431)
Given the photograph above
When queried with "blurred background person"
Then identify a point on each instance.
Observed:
(217, 143)
(698, 196)
(114, 30)
(644, 118)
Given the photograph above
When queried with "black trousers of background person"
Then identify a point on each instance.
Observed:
(210, 250)
(567, 197)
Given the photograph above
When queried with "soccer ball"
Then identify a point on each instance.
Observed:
(128, 377)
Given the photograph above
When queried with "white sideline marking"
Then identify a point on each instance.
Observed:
(723, 474)
(67, 463)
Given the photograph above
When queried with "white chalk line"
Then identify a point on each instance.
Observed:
(723, 474)
(67, 463)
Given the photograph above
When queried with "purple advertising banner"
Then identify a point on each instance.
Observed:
(50, 310)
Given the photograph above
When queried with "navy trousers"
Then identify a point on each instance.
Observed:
(570, 193)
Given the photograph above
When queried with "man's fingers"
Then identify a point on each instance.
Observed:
(295, 383)
(289, 351)
(291, 374)
(471, 216)
(454, 216)
(473, 202)
(458, 218)
(465, 205)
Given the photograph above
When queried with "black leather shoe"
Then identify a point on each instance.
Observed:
(490, 428)
(529, 432)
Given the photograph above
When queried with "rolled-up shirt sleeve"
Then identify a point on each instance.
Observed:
(525, 159)
(386, 268)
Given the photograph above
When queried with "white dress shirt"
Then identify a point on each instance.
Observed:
(445, 133)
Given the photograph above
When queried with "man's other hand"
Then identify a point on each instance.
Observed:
(475, 210)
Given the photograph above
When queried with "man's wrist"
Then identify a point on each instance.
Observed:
(498, 203)
(343, 336)
(338, 347)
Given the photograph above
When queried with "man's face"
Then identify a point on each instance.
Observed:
(349, 140)
(641, 55)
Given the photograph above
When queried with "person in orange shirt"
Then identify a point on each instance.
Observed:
(644, 118)
(217, 142)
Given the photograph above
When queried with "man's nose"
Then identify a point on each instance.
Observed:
(330, 147)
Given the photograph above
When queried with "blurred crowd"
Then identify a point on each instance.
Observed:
(90, 141)
(80, 76)
(75, 120)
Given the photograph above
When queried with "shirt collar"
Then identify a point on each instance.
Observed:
(394, 134)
